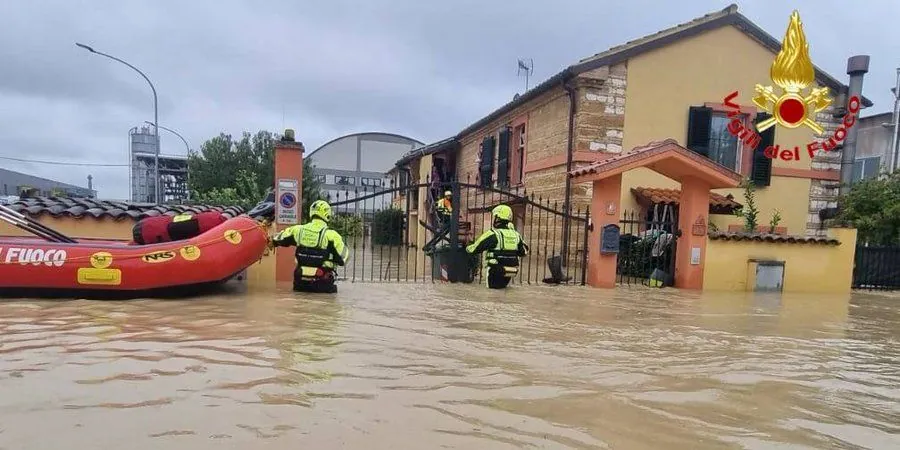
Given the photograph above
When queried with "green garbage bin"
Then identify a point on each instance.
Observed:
(453, 265)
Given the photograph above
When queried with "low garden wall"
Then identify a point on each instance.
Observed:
(743, 262)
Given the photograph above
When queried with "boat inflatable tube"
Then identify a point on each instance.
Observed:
(154, 230)
(93, 265)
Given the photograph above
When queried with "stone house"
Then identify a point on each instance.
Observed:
(671, 84)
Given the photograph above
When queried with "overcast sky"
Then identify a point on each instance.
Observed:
(425, 69)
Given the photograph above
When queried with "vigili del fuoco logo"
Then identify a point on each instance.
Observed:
(795, 105)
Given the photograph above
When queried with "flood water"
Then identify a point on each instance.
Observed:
(450, 366)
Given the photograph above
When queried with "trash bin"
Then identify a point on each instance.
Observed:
(453, 265)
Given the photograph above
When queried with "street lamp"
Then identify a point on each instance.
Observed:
(186, 145)
(155, 112)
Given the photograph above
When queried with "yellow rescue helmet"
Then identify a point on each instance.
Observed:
(320, 209)
(502, 212)
(448, 194)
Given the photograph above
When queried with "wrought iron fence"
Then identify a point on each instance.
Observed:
(398, 243)
(876, 268)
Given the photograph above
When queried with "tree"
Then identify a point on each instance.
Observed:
(873, 207)
(228, 172)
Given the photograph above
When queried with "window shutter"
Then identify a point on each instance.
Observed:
(503, 157)
(761, 170)
(486, 168)
(699, 125)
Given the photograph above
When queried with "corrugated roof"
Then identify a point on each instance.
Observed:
(673, 196)
(86, 207)
(775, 238)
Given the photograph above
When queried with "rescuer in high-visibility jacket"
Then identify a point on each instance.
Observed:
(444, 207)
(319, 250)
(503, 246)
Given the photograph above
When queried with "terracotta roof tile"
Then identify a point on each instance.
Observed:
(672, 196)
(82, 207)
(765, 237)
(647, 151)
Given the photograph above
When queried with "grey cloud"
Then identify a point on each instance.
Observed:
(423, 69)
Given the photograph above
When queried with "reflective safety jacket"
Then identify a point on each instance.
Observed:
(444, 206)
(503, 247)
(318, 247)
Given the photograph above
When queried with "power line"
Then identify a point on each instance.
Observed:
(61, 163)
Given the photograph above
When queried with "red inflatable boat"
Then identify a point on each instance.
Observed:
(90, 268)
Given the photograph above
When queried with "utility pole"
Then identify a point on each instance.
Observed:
(896, 123)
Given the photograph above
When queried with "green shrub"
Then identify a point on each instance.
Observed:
(348, 225)
(387, 227)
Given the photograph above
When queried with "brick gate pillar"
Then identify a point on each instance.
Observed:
(693, 217)
(605, 210)
(288, 199)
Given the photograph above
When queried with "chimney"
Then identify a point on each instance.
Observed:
(91, 184)
(857, 67)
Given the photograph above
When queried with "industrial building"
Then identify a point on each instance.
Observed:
(17, 184)
(356, 165)
(173, 170)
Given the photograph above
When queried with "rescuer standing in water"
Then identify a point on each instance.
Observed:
(319, 249)
(504, 247)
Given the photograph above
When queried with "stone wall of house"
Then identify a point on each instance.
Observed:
(600, 114)
(824, 193)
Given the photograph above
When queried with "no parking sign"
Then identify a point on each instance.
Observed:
(287, 202)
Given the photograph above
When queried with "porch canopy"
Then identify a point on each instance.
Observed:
(697, 176)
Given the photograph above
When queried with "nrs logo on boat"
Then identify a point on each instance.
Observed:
(34, 256)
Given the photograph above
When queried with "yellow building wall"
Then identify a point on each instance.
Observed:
(261, 275)
(664, 83)
(807, 267)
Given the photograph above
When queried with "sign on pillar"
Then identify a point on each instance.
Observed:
(288, 201)
(286, 208)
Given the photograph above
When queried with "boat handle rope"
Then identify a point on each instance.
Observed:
(262, 227)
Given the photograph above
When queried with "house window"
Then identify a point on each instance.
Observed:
(866, 168)
(518, 156)
(370, 181)
(344, 180)
(504, 148)
(321, 178)
(486, 161)
(723, 146)
(708, 134)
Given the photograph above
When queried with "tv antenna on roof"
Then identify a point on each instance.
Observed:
(527, 68)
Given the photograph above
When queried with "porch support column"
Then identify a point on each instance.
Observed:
(288, 168)
(602, 268)
(693, 208)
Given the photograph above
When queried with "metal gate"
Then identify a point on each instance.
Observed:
(647, 245)
(391, 240)
(876, 268)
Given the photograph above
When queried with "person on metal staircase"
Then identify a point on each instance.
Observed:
(444, 208)
(319, 249)
(503, 246)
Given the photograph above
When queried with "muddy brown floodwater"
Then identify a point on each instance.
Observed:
(431, 366)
